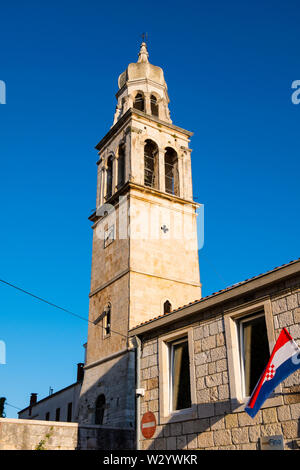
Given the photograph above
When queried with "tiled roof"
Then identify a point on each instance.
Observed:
(217, 293)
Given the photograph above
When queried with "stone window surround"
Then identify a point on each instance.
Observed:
(147, 102)
(103, 318)
(233, 351)
(165, 416)
(104, 321)
(107, 239)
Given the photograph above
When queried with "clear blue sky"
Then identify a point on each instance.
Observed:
(229, 68)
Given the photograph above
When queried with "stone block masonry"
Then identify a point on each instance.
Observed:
(25, 434)
(217, 419)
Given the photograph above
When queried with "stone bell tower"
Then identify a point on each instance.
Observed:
(145, 255)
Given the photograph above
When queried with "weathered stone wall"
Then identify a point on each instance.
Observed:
(24, 434)
(115, 379)
(103, 438)
(136, 275)
(157, 272)
(219, 422)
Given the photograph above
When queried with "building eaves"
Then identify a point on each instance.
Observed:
(50, 396)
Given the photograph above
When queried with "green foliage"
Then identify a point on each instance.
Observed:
(2, 404)
(41, 444)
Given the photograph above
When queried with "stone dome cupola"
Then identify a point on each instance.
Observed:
(142, 86)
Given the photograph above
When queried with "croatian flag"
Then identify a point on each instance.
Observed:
(284, 360)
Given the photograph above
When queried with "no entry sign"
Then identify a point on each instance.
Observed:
(148, 425)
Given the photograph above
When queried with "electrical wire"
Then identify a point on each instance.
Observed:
(13, 406)
(57, 306)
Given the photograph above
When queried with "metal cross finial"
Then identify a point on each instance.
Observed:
(144, 37)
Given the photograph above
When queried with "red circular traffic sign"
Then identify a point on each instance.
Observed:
(148, 424)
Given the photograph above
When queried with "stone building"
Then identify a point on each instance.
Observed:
(151, 346)
(144, 226)
(200, 363)
(59, 406)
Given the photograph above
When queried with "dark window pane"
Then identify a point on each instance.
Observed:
(171, 172)
(109, 173)
(121, 165)
(181, 393)
(69, 416)
(154, 105)
(100, 408)
(150, 164)
(167, 307)
(57, 414)
(255, 351)
(139, 102)
(107, 323)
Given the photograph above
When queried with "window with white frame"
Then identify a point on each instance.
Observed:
(177, 391)
(179, 381)
(254, 350)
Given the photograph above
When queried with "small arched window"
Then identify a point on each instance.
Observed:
(171, 172)
(99, 409)
(121, 165)
(150, 164)
(139, 102)
(167, 307)
(154, 105)
(109, 177)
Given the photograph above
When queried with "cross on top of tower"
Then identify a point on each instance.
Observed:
(143, 54)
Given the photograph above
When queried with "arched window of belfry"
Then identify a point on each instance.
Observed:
(139, 102)
(121, 165)
(154, 105)
(99, 409)
(171, 172)
(109, 177)
(150, 164)
(167, 307)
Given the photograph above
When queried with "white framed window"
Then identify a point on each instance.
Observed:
(177, 391)
(250, 338)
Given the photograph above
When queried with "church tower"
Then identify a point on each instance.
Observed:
(145, 255)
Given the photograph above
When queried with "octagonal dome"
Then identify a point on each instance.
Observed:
(142, 69)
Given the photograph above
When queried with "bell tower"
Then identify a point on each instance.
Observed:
(145, 254)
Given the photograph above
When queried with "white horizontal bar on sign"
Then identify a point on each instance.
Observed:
(148, 425)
